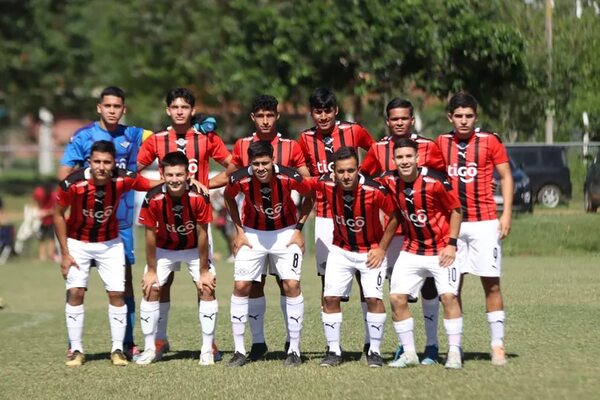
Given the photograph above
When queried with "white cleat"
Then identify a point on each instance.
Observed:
(405, 360)
(147, 357)
(454, 360)
(207, 359)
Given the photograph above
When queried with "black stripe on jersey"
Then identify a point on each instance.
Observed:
(462, 187)
(279, 159)
(193, 218)
(167, 143)
(316, 152)
(342, 138)
(267, 203)
(165, 206)
(476, 181)
(113, 201)
(84, 199)
(349, 216)
(363, 212)
(179, 221)
(251, 189)
(289, 154)
(98, 207)
(410, 208)
(388, 158)
(424, 207)
(280, 197)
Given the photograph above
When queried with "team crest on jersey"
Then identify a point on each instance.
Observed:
(462, 149)
(181, 142)
(348, 198)
(178, 209)
(125, 144)
(100, 194)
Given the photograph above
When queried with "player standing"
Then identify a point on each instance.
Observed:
(471, 157)
(269, 229)
(176, 218)
(91, 233)
(432, 217)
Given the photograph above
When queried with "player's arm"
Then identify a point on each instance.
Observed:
(303, 187)
(506, 184)
(222, 178)
(376, 256)
(64, 171)
(60, 228)
(207, 279)
(240, 237)
(370, 166)
(150, 278)
(448, 253)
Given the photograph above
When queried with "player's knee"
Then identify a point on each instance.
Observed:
(449, 300)
(116, 299)
(491, 286)
(242, 288)
(375, 305)
(290, 288)
(153, 295)
(75, 296)
(257, 290)
(399, 300)
(331, 303)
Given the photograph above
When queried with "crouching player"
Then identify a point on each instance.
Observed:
(176, 216)
(432, 217)
(91, 232)
(268, 229)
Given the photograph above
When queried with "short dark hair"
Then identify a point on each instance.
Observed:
(344, 153)
(260, 148)
(322, 98)
(181, 93)
(397, 102)
(173, 159)
(264, 102)
(405, 142)
(462, 99)
(103, 146)
(113, 91)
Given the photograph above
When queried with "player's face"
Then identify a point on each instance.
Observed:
(346, 173)
(175, 178)
(180, 112)
(406, 160)
(264, 121)
(400, 122)
(111, 109)
(262, 168)
(463, 119)
(324, 118)
(101, 165)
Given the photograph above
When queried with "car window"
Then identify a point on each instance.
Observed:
(525, 157)
(553, 158)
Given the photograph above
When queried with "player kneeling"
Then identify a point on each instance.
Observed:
(432, 217)
(176, 216)
(268, 229)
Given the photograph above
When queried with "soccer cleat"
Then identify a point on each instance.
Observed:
(162, 347)
(292, 360)
(147, 357)
(365, 351)
(207, 359)
(405, 360)
(374, 360)
(131, 351)
(118, 359)
(286, 347)
(454, 360)
(399, 352)
(217, 355)
(498, 356)
(430, 355)
(331, 360)
(237, 360)
(257, 351)
(75, 359)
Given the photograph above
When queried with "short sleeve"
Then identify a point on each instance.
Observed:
(217, 150)
(147, 153)
(370, 164)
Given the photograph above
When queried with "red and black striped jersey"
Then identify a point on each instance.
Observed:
(425, 205)
(286, 152)
(380, 157)
(267, 206)
(196, 145)
(174, 218)
(470, 164)
(93, 207)
(318, 151)
(356, 214)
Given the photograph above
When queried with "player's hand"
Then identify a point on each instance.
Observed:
(199, 186)
(297, 239)
(208, 280)
(66, 263)
(149, 280)
(239, 241)
(375, 257)
(504, 228)
(447, 256)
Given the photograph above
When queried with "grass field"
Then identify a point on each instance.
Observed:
(550, 281)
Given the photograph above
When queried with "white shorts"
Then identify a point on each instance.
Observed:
(323, 242)
(412, 269)
(478, 249)
(168, 261)
(392, 253)
(341, 267)
(110, 260)
(250, 262)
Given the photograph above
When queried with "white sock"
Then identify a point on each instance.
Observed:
(207, 315)
(256, 316)
(496, 322)
(239, 316)
(404, 330)
(365, 310)
(163, 320)
(294, 318)
(454, 330)
(283, 304)
(332, 328)
(376, 323)
(149, 311)
(74, 315)
(117, 317)
(431, 309)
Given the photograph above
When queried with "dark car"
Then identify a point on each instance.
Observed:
(591, 186)
(522, 193)
(548, 171)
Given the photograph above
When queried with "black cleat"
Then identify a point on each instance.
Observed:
(292, 360)
(331, 360)
(257, 351)
(237, 360)
(374, 360)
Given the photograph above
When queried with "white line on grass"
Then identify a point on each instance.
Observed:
(36, 319)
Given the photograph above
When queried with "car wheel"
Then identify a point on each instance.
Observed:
(549, 196)
(588, 204)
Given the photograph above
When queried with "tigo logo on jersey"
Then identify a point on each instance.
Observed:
(324, 168)
(465, 173)
(193, 167)
(419, 218)
(271, 212)
(100, 216)
(355, 225)
(185, 229)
